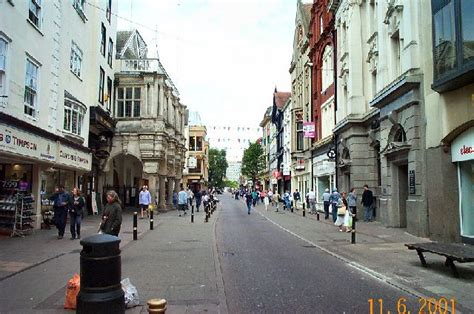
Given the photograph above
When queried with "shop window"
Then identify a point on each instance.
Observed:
(101, 85)
(34, 14)
(466, 171)
(3, 67)
(73, 117)
(30, 98)
(103, 39)
(128, 102)
(110, 53)
(76, 59)
(453, 43)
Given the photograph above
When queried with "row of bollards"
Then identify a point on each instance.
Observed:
(135, 224)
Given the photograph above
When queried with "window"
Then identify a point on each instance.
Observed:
(101, 85)
(108, 11)
(110, 53)
(128, 102)
(79, 6)
(31, 94)
(453, 43)
(327, 69)
(73, 117)
(109, 93)
(3, 67)
(395, 42)
(299, 136)
(76, 59)
(34, 14)
(198, 167)
(103, 39)
(192, 143)
(199, 143)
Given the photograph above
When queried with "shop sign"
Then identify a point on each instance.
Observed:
(192, 162)
(411, 180)
(309, 129)
(19, 142)
(72, 157)
(300, 164)
(462, 148)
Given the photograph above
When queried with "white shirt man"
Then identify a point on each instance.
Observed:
(312, 201)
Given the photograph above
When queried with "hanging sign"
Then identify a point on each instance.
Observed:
(309, 130)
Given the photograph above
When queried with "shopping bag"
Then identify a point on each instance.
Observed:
(72, 289)
(131, 293)
(341, 211)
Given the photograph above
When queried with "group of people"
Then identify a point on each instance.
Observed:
(73, 205)
(185, 198)
(341, 206)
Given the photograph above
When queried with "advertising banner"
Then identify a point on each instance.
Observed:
(309, 130)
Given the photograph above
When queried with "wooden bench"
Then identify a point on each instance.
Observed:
(462, 253)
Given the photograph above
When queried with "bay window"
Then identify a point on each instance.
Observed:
(73, 116)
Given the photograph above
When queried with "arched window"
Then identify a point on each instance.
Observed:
(327, 74)
(400, 135)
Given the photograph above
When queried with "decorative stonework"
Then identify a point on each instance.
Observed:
(373, 54)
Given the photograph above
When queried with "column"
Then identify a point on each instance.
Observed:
(170, 191)
(152, 187)
(177, 185)
(162, 193)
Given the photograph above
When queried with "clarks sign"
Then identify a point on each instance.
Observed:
(462, 148)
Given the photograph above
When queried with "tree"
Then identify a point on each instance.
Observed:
(217, 167)
(231, 184)
(253, 161)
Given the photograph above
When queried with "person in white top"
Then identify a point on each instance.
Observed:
(144, 199)
(311, 196)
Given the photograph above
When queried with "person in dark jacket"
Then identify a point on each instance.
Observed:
(367, 202)
(198, 196)
(76, 205)
(112, 216)
(61, 202)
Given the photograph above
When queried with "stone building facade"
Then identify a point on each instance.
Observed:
(148, 144)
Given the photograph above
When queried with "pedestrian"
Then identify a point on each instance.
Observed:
(367, 202)
(175, 199)
(266, 200)
(341, 211)
(190, 195)
(296, 198)
(144, 200)
(182, 201)
(334, 199)
(311, 196)
(205, 201)
(286, 201)
(352, 202)
(276, 200)
(249, 199)
(326, 203)
(198, 197)
(254, 197)
(112, 215)
(262, 195)
(76, 211)
(61, 202)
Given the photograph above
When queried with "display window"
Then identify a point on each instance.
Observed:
(20, 173)
(466, 184)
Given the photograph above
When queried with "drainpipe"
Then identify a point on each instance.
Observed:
(336, 137)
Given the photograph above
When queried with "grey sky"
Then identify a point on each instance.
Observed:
(224, 56)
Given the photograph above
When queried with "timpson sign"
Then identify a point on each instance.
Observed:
(462, 148)
(16, 141)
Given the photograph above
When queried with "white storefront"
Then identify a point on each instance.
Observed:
(324, 177)
(40, 163)
(462, 152)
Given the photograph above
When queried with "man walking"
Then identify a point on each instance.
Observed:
(144, 200)
(249, 199)
(311, 196)
(60, 204)
(367, 202)
(198, 197)
(182, 201)
(334, 200)
(326, 197)
(296, 198)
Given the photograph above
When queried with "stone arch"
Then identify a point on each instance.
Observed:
(397, 134)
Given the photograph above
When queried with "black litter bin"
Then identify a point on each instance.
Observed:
(101, 272)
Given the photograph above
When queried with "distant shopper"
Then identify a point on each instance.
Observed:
(296, 198)
(61, 202)
(76, 207)
(175, 199)
(249, 200)
(276, 200)
(112, 215)
(367, 202)
(311, 197)
(334, 199)
(266, 200)
(341, 210)
(182, 201)
(326, 203)
(198, 196)
(352, 201)
(190, 195)
(144, 200)
(254, 197)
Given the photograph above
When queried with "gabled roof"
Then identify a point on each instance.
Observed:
(131, 45)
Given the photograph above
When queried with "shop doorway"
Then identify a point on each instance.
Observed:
(401, 194)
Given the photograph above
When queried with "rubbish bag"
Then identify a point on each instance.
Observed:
(131, 293)
(72, 290)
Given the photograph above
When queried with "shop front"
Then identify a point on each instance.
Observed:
(462, 152)
(324, 177)
(32, 163)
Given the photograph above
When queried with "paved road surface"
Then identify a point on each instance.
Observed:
(266, 269)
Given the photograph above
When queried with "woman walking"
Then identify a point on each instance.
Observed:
(112, 216)
(352, 202)
(341, 211)
(266, 201)
(75, 213)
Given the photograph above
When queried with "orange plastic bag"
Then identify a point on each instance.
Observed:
(72, 290)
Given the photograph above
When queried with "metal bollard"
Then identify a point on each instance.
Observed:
(304, 210)
(291, 207)
(317, 215)
(101, 272)
(353, 233)
(135, 229)
(151, 219)
(192, 213)
(207, 213)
